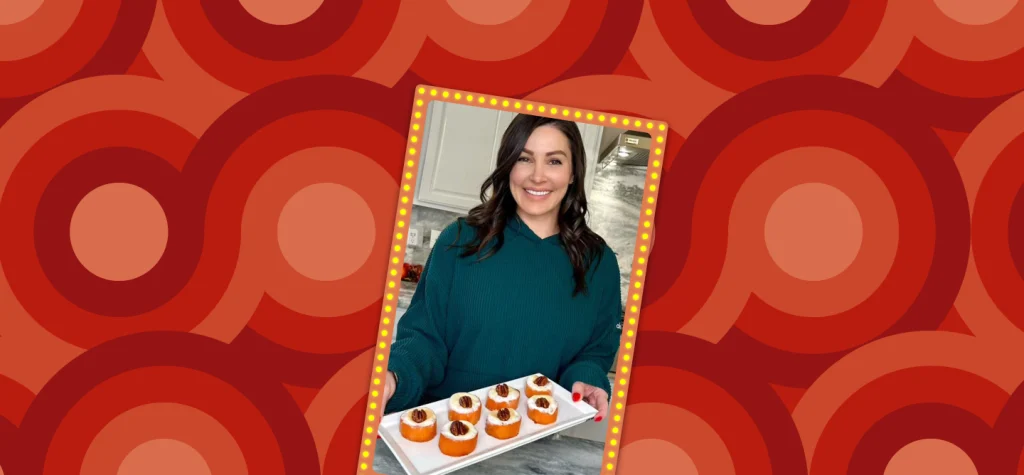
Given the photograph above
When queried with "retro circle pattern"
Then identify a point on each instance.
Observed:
(47, 43)
(841, 200)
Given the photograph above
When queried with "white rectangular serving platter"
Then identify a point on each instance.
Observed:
(425, 458)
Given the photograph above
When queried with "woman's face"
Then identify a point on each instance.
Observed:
(542, 173)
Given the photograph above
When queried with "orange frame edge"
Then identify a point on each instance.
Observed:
(424, 94)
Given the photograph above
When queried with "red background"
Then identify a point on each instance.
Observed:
(905, 116)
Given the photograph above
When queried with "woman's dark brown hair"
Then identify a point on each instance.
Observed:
(490, 217)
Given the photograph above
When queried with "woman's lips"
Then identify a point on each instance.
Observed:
(538, 194)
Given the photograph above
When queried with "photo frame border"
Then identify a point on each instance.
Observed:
(424, 95)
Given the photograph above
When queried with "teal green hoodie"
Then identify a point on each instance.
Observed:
(473, 324)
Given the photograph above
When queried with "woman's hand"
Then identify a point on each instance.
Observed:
(390, 383)
(594, 396)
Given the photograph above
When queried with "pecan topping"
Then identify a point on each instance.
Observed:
(419, 415)
(540, 381)
(502, 390)
(543, 403)
(466, 402)
(504, 415)
(458, 428)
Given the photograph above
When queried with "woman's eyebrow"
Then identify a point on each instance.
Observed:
(555, 152)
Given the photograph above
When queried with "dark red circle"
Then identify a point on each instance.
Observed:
(1009, 432)
(12, 458)
(124, 42)
(768, 42)
(122, 45)
(53, 242)
(732, 373)
(534, 69)
(281, 42)
(961, 114)
(186, 350)
(306, 93)
(945, 187)
(287, 365)
(340, 457)
(925, 421)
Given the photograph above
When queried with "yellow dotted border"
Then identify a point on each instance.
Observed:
(424, 95)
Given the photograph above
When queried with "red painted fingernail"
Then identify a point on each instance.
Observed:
(598, 419)
(575, 397)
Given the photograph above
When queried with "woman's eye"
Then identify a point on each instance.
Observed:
(556, 162)
(524, 159)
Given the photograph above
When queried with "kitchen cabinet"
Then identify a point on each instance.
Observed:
(460, 148)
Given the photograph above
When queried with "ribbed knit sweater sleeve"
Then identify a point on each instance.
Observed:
(592, 364)
(419, 354)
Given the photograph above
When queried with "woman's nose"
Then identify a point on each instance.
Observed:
(538, 173)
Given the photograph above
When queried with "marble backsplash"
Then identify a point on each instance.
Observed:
(614, 203)
(426, 221)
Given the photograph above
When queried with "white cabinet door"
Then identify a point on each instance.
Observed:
(461, 144)
(592, 146)
(460, 151)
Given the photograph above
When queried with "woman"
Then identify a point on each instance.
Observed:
(520, 286)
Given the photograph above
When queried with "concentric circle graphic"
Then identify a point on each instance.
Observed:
(44, 45)
(244, 52)
(772, 119)
(179, 173)
(719, 397)
(734, 53)
(16, 12)
(590, 39)
(276, 13)
(91, 391)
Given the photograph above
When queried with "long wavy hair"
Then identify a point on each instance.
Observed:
(498, 205)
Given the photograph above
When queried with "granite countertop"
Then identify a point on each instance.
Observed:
(554, 455)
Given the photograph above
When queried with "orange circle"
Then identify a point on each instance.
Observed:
(163, 420)
(17, 11)
(454, 27)
(652, 455)
(118, 231)
(874, 260)
(37, 32)
(932, 456)
(768, 12)
(975, 12)
(277, 12)
(163, 456)
(314, 231)
(813, 231)
(488, 13)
